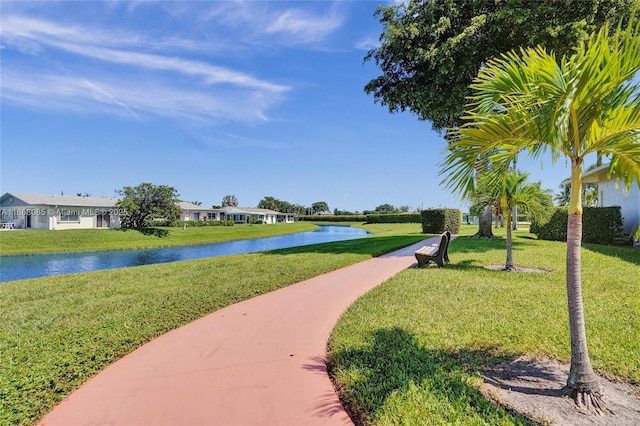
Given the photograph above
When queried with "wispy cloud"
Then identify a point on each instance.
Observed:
(132, 99)
(168, 84)
(303, 27)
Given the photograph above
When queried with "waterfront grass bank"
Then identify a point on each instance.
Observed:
(56, 332)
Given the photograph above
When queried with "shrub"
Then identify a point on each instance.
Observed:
(196, 223)
(394, 218)
(436, 221)
(600, 225)
(333, 218)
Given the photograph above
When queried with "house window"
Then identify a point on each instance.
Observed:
(69, 216)
(211, 216)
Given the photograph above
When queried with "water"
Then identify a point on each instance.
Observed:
(43, 265)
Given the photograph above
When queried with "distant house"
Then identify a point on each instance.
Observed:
(37, 211)
(244, 214)
(612, 193)
(235, 214)
(190, 211)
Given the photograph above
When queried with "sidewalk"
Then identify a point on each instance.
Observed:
(258, 362)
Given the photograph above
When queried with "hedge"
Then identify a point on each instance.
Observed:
(436, 221)
(395, 218)
(333, 218)
(600, 225)
(192, 223)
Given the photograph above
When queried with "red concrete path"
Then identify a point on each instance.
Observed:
(258, 362)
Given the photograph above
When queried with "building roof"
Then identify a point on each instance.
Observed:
(248, 210)
(184, 205)
(597, 174)
(59, 200)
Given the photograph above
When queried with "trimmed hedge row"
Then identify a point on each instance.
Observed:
(192, 223)
(394, 218)
(436, 221)
(600, 225)
(333, 218)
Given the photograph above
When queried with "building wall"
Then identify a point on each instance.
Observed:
(628, 201)
(25, 216)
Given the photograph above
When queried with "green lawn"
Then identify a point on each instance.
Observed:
(77, 240)
(56, 332)
(410, 351)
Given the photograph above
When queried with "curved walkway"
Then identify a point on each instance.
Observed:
(258, 362)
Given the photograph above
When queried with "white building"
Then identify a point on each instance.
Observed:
(612, 193)
(236, 214)
(37, 211)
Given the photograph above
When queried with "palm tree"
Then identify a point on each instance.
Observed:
(572, 107)
(515, 191)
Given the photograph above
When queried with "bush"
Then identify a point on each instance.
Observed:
(600, 225)
(195, 223)
(436, 221)
(333, 218)
(395, 218)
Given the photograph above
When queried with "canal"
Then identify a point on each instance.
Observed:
(43, 265)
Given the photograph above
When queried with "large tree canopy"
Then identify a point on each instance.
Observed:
(431, 51)
(147, 201)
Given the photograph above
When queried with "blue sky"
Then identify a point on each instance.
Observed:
(252, 99)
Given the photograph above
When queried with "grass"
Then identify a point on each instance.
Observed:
(78, 240)
(56, 332)
(410, 351)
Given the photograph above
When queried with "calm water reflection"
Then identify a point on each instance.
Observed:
(20, 267)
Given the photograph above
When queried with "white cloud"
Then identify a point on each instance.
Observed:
(303, 26)
(132, 98)
(168, 85)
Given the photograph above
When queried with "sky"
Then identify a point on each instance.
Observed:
(213, 98)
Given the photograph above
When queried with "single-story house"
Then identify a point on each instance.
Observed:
(192, 211)
(612, 193)
(244, 214)
(37, 211)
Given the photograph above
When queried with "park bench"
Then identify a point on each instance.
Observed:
(437, 253)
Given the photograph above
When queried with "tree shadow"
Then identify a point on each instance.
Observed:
(396, 363)
(467, 244)
(150, 232)
(374, 246)
(627, 254)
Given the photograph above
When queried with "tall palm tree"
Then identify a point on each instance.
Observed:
(586, 104)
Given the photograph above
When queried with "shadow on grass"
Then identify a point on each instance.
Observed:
(397, 366)
(374, 246)
(627, 254)
(466, 244)
(150, 232)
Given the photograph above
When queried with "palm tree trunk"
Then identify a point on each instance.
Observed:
(509, 265)
(582, 384)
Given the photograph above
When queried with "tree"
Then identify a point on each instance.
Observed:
(431, 51)
(431, 48)
(196, 203)
(385, 209)
(573, 106)
(140, 204)
(229, 201)
(514, 191)
(319, 207)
